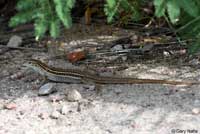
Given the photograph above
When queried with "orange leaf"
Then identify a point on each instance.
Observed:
(76, 56)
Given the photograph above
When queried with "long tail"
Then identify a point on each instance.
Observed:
(111, 80)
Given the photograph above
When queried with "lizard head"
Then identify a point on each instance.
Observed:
(36, 65)
(30, 63)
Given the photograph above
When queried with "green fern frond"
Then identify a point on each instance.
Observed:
(26, 4)
(41, 27)
(70, 4)
(110, 9)
(46, 14)
(188, 13)
(63, 9)
(22, 18)
(111, 3)
(113, 8)
(55, 28)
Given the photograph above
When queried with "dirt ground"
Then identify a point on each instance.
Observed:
(119, 109)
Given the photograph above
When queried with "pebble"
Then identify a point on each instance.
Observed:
(64, 110)
(15, 41)
(43, 116)
(55, 114)
(118, 91)
(56, 98)
(89, 87)
(17, 75)
(165, 53)
(194, 62)
(124, 58)
(73, 95)
(117, 48)
(84, 104)
(47, 89)
(147, 47)
(10, 106)
(196, 110)
(197, 102)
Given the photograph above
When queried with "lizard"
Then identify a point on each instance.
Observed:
(83, 76)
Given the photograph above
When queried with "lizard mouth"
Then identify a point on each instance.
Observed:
(24, 66)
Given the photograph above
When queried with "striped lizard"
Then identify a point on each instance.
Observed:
(82, 76)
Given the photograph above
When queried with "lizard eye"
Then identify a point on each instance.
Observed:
(29, 62)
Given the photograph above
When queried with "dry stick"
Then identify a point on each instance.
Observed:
(174, 31)
(189, 23)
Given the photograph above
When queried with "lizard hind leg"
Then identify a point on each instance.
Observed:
(97, 87)
(44, 81)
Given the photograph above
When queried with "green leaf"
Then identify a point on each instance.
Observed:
(70, 3)
(55, 28)
(173, 10)
(25, 4)
(190, 7)
(63, 12)
(41, 27)
(111, 9)
(195, 47)
(160, 7)
(22, 17)
(125, 5)
(111, 3)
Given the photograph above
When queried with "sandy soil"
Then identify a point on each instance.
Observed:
(119, 109)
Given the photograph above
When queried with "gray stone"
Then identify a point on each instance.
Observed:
(73, 95)
(64, 110)
(55, 114)
(15, 41)
(47, 89)
(196, 111)
(148, 47)
(117, 48)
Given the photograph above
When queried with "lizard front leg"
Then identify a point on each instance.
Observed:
(97, 86)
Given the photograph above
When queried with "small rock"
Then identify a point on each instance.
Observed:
(167, 54)
(17, 75)
(15, 41)
(55, 114)
(56, 98)
(29, 132)
(118, 91)
(5, 72)
(64, 110)
(124, 58)
(79, 108)
(73, 95)
(194, 62)
(147, 47)
(89, 87)
(196, 110)
(10, 106)
(84, 104)
(117, 48)
(112, 58)
(182, 89)
(43, 116)
(197, 102)
(47, 89)
(73, 43)
(21, 112)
